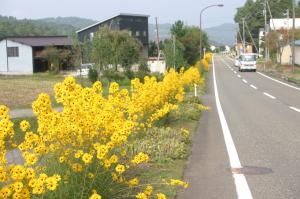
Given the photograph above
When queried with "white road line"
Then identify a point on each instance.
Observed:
(235, 72)
(280, 82)
(245, 81)
(270, 96)
(239, 76)
(241, 185)
(253, 86)
(295, 109)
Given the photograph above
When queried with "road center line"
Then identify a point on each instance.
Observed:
(245, 81)
(239, 76)
(270, 96)
(253, 86)
(295, 109)
(241, 185)
(280, 82)
(235, 72)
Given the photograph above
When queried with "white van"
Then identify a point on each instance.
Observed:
(246, 61)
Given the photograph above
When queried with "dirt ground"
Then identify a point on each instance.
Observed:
(21, 91)
(285, 72)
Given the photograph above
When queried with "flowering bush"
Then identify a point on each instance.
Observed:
(208, 57)
(82, 151)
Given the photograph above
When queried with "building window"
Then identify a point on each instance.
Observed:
(137, 33)
(91, 35)
(13, 51)
(145, 33)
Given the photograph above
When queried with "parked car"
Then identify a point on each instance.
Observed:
(84, 69)
(246, 62)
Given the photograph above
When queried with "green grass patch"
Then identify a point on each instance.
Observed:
(19, 135)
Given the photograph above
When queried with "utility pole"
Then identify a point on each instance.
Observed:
(174, 51)
(200, 26)
(157, 37)
(266, 49)
(293, 38)
(244, 39)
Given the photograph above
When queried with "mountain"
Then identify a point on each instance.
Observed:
(11, 26)
(222, 35)
(76, 22)
(163, 30)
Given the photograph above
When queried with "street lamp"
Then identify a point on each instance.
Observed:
(215, 5)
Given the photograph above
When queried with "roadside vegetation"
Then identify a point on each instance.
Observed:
(122, 133)
(129, 144)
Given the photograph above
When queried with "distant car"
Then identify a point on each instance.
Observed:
(246, 62)
(84, 69)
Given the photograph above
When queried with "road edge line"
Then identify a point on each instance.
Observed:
(241, 185)
(280, 82)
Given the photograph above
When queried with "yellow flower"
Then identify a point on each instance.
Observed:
(120, 168)
(148, 191)
(134, 182)
(24, 125)
(179, 182)
(52, 183)
(141, 196)
(3, 111)
(87, 158)
(95, 196)
(91, 175)
(139, 158)
(161, 196)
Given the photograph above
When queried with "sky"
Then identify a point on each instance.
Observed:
(167, 11)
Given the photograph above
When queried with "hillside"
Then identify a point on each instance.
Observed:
(163, 29)
(76, 22)
(222, 35)
(10, 26)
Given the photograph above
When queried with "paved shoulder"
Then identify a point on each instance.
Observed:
(207, 170)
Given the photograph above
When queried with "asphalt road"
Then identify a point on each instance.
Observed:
(264, 123)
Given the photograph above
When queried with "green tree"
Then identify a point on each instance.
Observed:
(115, 48)
(170, 58)
(189, 37)
(152, 50)
(252, 11)
(178, 29)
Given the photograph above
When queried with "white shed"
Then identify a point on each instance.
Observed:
(20, 55)
(286, 57)
(15, 58)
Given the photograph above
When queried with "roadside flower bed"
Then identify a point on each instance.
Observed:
(82, 152)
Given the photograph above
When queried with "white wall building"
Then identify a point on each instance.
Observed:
(284, 23)
(156, 65)
(15, 58)
(286, 57)
(21, 55)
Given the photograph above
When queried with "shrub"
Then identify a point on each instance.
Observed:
(129, 74)
(93, 75)
(162, 144)
(113, 75)
(205, 65)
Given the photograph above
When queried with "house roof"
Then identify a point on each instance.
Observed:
(121, 14)
(36, 41)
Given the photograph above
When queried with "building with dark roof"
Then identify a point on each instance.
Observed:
(135, 24)
(21, 55)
